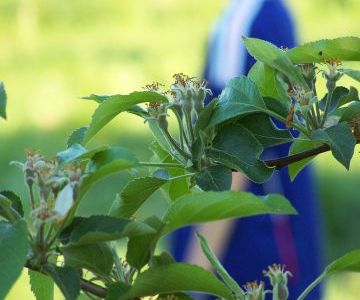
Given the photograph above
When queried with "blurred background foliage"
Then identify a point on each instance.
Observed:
(52, 52)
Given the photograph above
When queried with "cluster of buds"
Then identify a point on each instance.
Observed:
(255, 291)
(278, 279)
(332, 75)
(158, 111)
(187, 98)
(52, 188)
(308, 70)
(189, 93)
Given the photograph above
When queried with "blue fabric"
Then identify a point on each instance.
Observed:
(261, 241)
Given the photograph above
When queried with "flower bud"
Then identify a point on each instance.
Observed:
(189, 93)
(333, 75)
(255, 291)
(309, 72)
(278, 279)
(158, 111)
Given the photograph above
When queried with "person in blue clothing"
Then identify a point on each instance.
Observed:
(247, 246)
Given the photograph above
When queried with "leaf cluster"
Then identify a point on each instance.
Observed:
(192, 165)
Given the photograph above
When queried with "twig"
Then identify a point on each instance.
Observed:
(93, 288)
(281, 162)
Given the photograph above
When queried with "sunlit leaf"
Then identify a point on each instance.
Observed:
(344, 48)
(77, 136)
(96, 229)
(42, 286)
(212, 206)
(177, 277)
(115, 104)
(240, 97)
(341, 141)
(13, 253)
(275, 58)
(139, 248)
(299, 146)
(96, 258)
(66, 278)
(354, 74)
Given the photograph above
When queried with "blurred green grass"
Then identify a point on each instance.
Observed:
(52, 52)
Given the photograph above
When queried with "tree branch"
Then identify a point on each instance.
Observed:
(281, 162)
(93, 288)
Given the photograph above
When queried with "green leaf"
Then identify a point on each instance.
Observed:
(3, 99)
(237, 148)
(350, 262)
(42, 286)
(164, 258)
(297, 147)
(266, 81)
(281, 109)
(239, 98)
(96, 229)
(177, 277)
(139, 248)
(113, 105)
(274, 57)
(77, 136)
(212, 206)
(205, 116)
(350, 112)
(71, 153)
(107, 162)
(341, 141)
(352, 95)
(115, 291)
(13, 253)
(177, 296)
(177, 188)
(344, 48)
(77, 152)
(354, 74)
(96, 258)
(97, 98)
(135, 109)
(138, 111)
(83, 296)
(15, 201)
(265, 131)
(214, 178)
(66, 278)
(340, 96)
(229, 281)
(134, 194)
